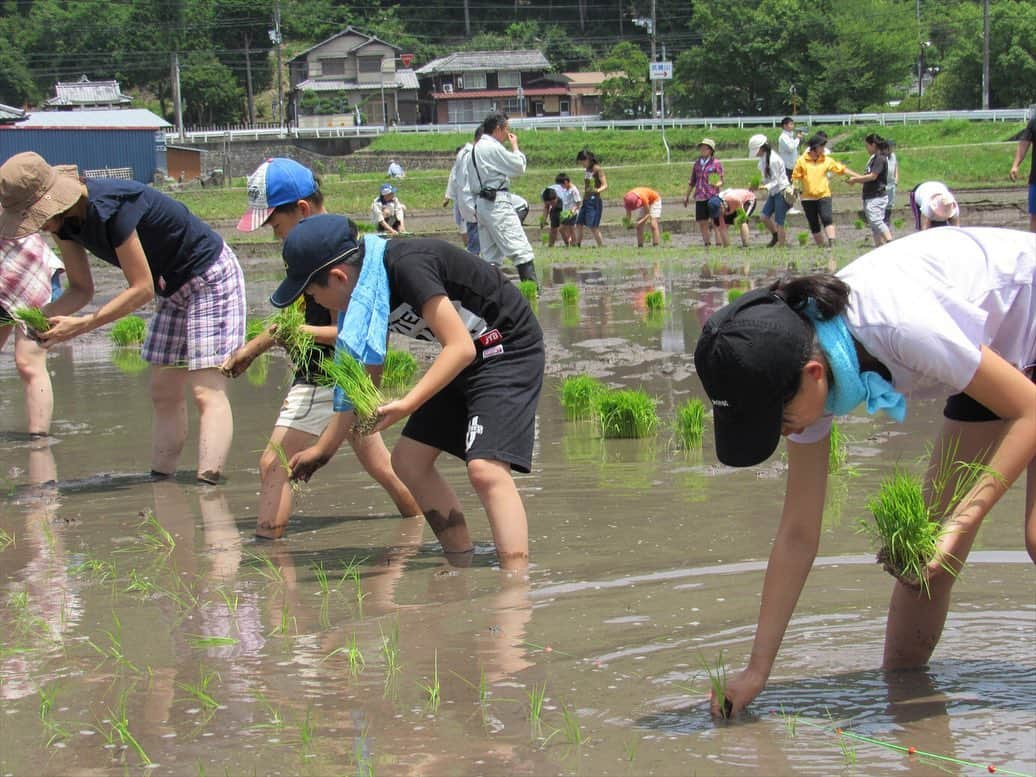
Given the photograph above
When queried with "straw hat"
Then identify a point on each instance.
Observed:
(708, 142)
(32, 192)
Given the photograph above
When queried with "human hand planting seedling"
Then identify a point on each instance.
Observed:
(346, 373)
(34, 320)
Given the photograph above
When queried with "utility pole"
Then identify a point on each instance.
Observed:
(985, 55)
(174, 78)
(275, 38)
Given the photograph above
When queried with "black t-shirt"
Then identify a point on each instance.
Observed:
(1029, 134)
(178, 245)
(422, 268)
(878, 163)
(316, 315)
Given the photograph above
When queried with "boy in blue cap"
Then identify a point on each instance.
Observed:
(476, 401)
(282, 192)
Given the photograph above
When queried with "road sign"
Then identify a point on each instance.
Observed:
(661, 71)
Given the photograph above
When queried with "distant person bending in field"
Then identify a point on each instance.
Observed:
(934, 205)
(875, 198)
(735, 203)
(282, 192)
(388, 213)
(704, 184)
(951, 306)
(1028, 137)
(774, 180)
(164, 251)
(395, 170)
(646, 204)
(811, 172)
(594, 184)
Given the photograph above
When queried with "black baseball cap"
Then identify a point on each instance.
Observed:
(750, 358)
(314, 244)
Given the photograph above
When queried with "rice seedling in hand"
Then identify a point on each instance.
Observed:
(755, 181)
(717, 677)
(905, 530)
(129, 330)
(258, 371)
(628, 414)
(569, 294)
(655, 300)
(627, 222)
(282, 459)
(529, 289)
(33, 318)
(740, 217)
(254, 327)
(287, 325)
(398, 371)
(690, 423)
(579, 396)
(344, 372)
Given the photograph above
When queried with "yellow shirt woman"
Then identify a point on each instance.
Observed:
(812, 169)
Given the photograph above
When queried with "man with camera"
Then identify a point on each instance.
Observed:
(490, 168)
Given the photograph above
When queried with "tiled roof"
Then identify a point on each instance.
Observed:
(405, 79)
(128, 118)
(87, 92)
(462, 61)
(9, 114)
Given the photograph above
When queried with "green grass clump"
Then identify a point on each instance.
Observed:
(346, 373)
(690, 423)
(129, 330)
(905, 529)
(579, 396)
(399, 370)
(570, 294)
(666, 236)
(529, 289)
(803, 238)
(626, 414)
(733, 294)
(33, 318)
(128, 361)
(655, 300)
(254, 327)
(860, 224)
(287, 323)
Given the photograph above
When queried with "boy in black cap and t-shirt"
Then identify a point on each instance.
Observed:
(478, 399)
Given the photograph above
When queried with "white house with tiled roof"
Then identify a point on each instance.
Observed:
(350, 78)
(85, 94)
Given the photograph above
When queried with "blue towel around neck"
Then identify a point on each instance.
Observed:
(363, 327)
(850, 386)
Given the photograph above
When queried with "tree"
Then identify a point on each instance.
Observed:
(627, 93)
(211, 94)
(239, 34)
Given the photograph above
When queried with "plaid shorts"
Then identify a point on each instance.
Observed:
(203, 321)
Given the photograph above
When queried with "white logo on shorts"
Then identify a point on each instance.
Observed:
(474, 430)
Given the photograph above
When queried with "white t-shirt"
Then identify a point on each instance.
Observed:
(924, 193)
(925, 304)
(788, 148)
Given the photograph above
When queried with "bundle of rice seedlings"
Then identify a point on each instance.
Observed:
(33, 318)
(129, 330)
(398, 371)
(259, 370)
(755, 182)
(666, 236)
(803, 238)
(254, 327)
(346, 373)
(529, 289)
(741, 217)
(839, 450)
(579, 396)
(287, 323)
(627, 222)
(570, 294)
(655, 300)
(690, 423)
(733, 294)
(128, 361)
(627, 414)
(905, 530)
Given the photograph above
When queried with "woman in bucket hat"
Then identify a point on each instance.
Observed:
(957, 306)
(165, 252)
(704, 184)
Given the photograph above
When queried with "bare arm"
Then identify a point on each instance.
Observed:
(140, 291)
(1019, 155)
(604, 181)
(80, 281)
(458, 351)
(791, 558)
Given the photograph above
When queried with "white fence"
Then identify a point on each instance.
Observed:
(558, 123)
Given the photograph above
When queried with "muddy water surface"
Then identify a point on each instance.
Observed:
(141, 622)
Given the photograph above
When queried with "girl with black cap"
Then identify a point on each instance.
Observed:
(957, 306)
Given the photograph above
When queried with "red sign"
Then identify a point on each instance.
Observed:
(406, 59)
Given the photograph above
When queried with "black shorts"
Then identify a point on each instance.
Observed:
(486, 412)
(701, 210)
(555, 217)
(818, 213)
(961, 407)
(729, 218)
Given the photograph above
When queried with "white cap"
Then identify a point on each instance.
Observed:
(755, 143)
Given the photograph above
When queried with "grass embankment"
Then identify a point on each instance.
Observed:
(962, 154)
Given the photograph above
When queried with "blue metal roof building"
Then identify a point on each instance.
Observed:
(98, 142)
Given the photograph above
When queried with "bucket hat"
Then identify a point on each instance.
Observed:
(387, 188)
(755, 143)
(708, 142)
(32, 192)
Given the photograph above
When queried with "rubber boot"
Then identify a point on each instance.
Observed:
(527, 272)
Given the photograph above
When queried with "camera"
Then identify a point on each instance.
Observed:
(487, 194)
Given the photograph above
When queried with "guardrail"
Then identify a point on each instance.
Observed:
(558, 123)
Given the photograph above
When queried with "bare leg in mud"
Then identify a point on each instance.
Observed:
(415, 463)
(915, 621)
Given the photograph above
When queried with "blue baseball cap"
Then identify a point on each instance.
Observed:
(277, 181)
(387, 188)
(316, 243)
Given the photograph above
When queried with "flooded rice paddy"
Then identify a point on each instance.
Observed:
(143, 627)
